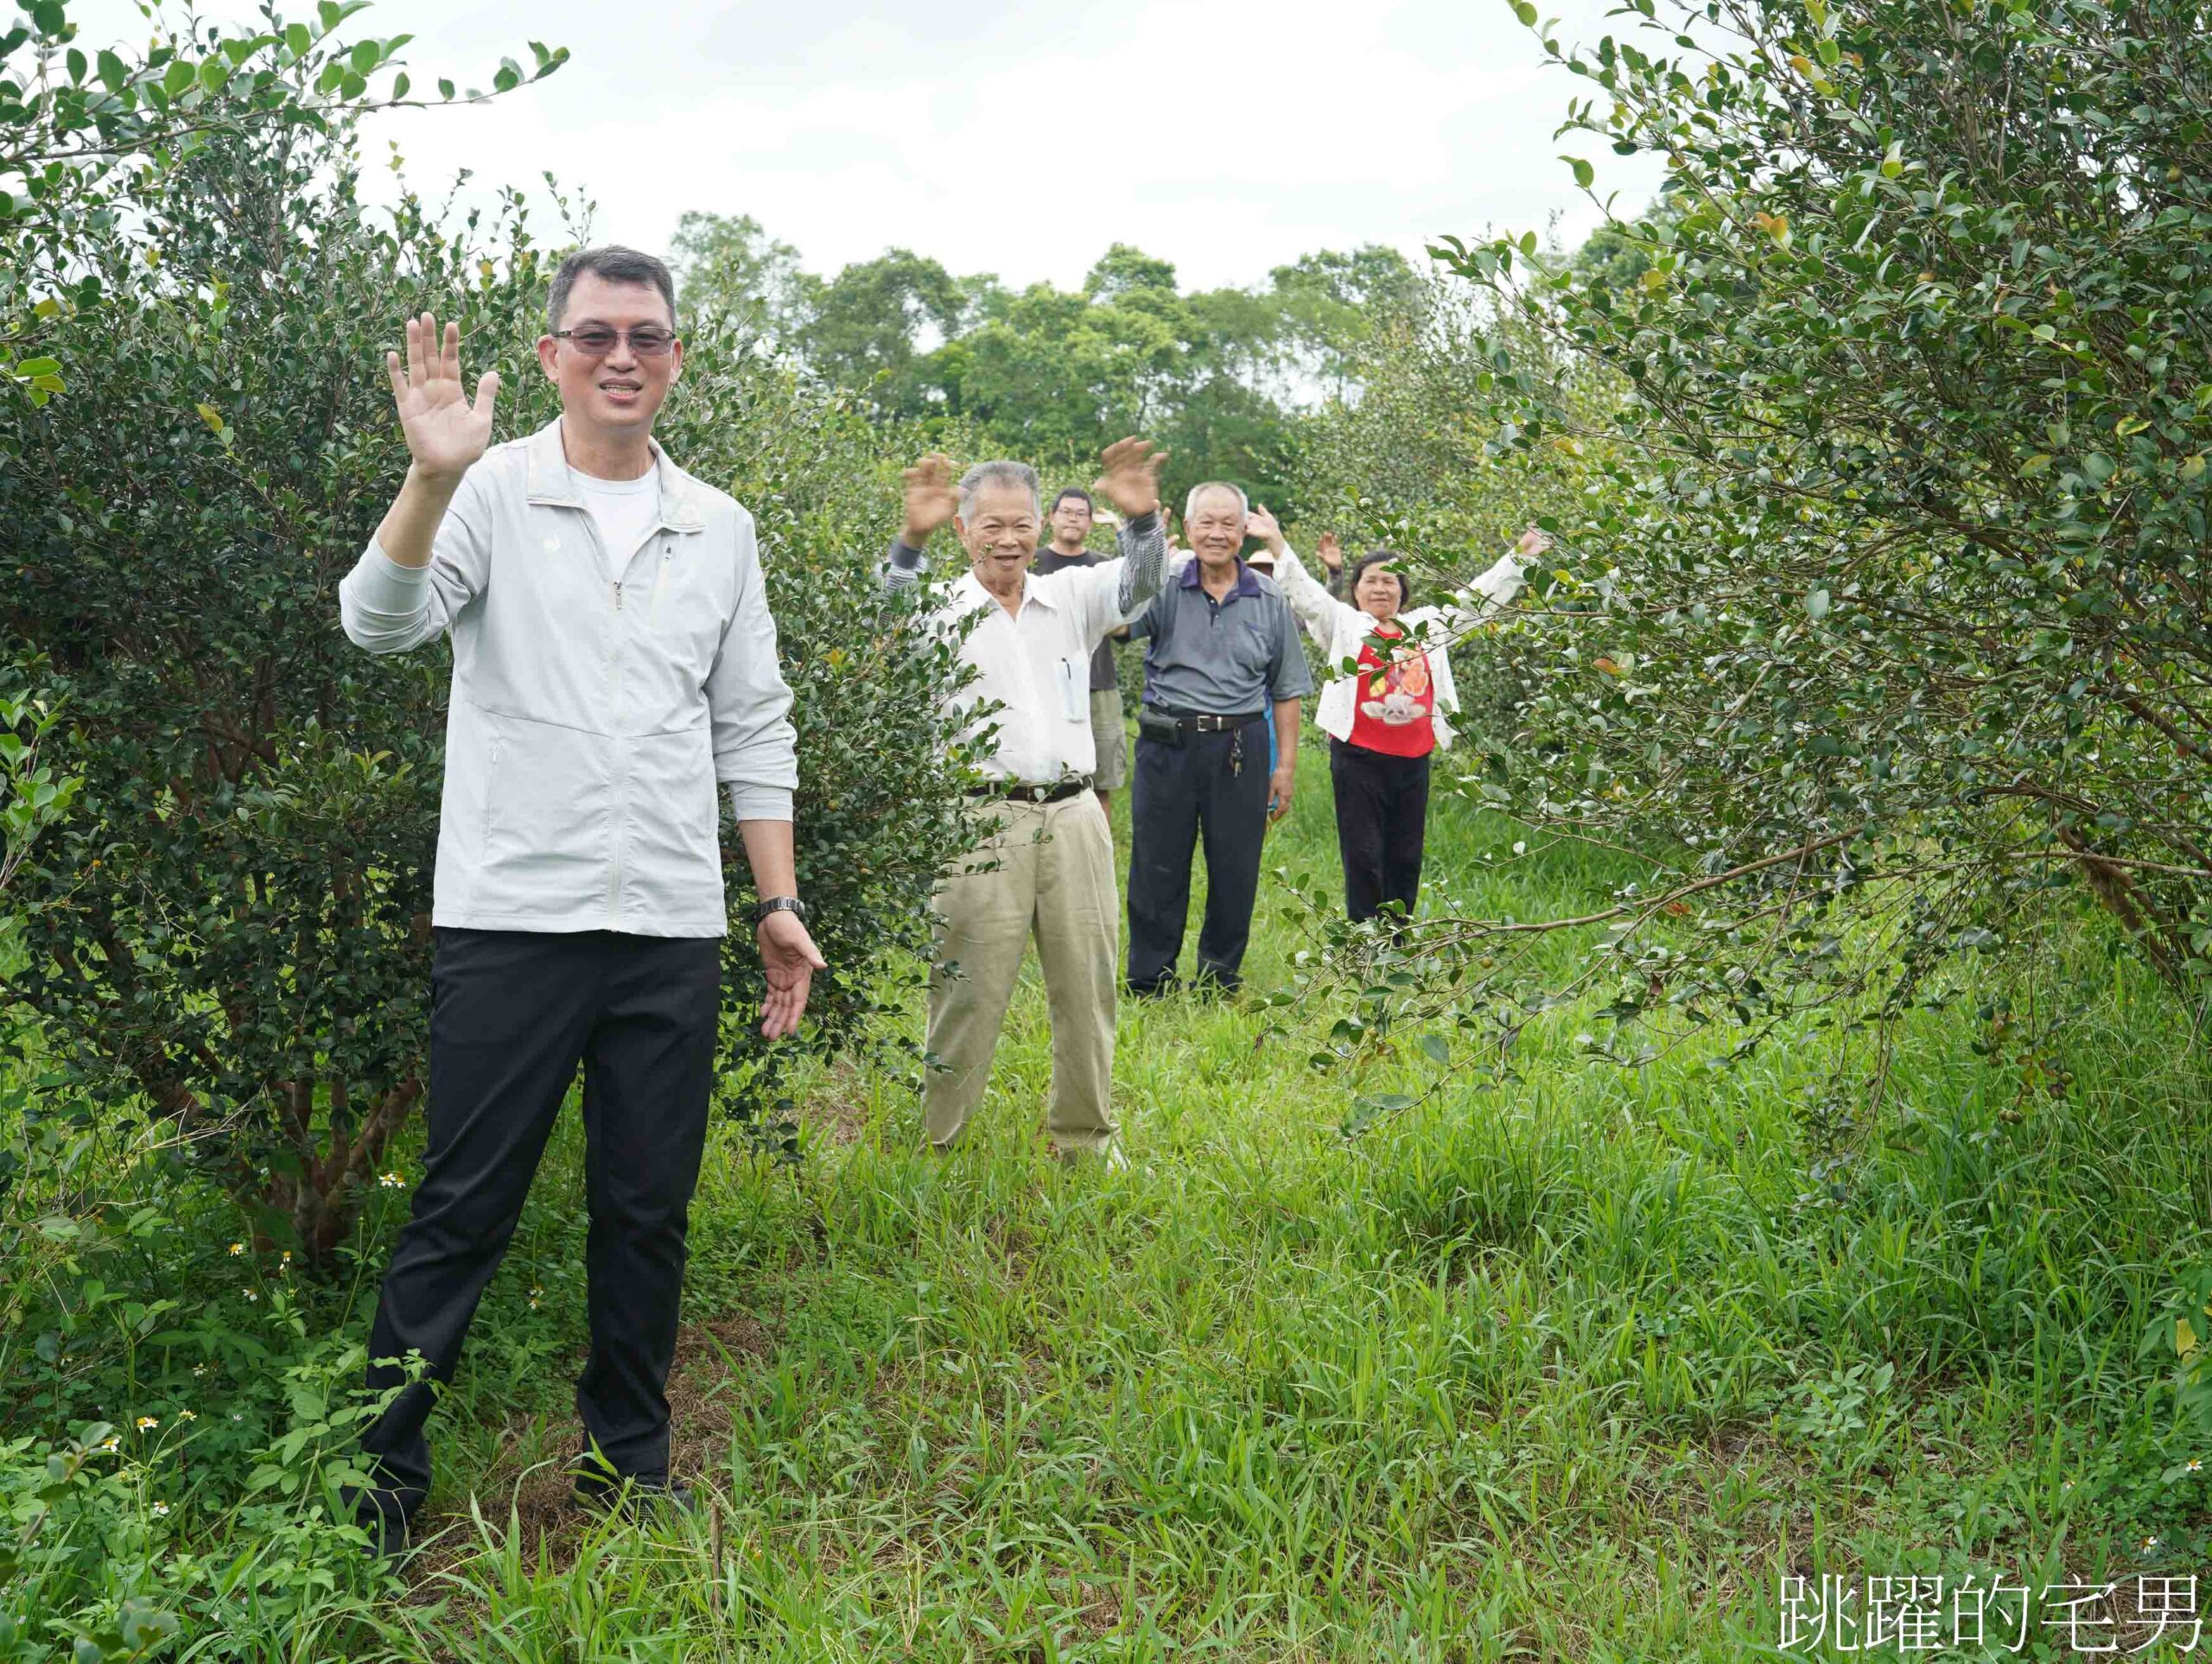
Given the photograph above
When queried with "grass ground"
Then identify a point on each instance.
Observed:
(1580, 1369)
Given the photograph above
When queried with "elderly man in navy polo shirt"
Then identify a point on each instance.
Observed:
(1222, 661)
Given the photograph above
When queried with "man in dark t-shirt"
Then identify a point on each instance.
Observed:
(1070, 521)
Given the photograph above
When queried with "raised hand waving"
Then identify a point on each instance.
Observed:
(932, 498)
(1262, 525)
(1131, 479)
(446, 432)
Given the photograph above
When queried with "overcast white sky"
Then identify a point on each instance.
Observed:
(1228, 136)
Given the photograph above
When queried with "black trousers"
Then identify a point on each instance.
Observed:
(1381, 822)
(1181, 793)
(513, 1013)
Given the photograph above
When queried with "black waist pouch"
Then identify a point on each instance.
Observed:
(1163, 730)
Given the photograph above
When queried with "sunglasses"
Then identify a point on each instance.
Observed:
(597, 340)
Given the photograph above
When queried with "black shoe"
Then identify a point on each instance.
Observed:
(387, 1513)
(391, 1535)
(638, 1497)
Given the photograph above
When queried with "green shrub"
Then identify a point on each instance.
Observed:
(35, 793)
(1885, 600)
(229, 1522)
(1876, 456)
(89, 138)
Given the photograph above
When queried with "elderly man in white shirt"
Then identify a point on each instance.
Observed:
(1045, 864)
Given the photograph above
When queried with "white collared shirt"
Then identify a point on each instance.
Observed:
(1036, 663)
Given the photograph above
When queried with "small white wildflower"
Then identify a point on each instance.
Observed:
(110, 1445)
(186, 1415)
(250, 1295)
(392, 1181)
(2196, 1464)
(237, 1248)
(2150, 1543)
(148, 1423)
(161, 1510)
(199, 1369)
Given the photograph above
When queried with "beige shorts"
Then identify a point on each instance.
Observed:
(1109, 731)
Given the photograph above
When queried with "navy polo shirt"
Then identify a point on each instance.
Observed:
(1224, 657)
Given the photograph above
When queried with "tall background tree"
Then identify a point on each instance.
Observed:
(1222, 377)
(735, 271)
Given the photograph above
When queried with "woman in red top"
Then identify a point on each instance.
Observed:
(1384, 722)
(1381, 774)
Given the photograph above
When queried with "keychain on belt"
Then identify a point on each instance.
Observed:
(1235, 753)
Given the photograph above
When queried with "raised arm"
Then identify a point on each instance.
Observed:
(425, 563)
(446, 435)
(1131, 484)
(932, 500)
(1322, 613)
(1143, 543)
(1331, 554)
(1473, 604)
(1115, 591)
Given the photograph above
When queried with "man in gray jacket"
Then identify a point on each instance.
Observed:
(613, 659)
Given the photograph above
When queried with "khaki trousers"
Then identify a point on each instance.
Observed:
(1110, 738)
(1047, 871)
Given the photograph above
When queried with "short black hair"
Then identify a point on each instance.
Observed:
(1080, 496)
(1383, 557)
(617, 266)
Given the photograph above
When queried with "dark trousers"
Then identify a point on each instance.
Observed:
(1382, 822)
(1181, 793)
(513, 1013)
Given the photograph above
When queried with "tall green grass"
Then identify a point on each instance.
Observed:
(1577, 1367)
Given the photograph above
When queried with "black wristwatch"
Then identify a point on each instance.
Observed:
(760, 908)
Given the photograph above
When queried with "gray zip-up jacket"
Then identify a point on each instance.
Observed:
(590, 719)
